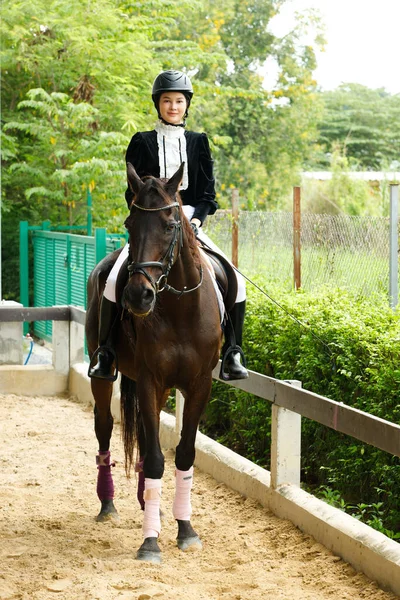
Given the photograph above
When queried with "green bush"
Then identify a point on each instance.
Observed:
(349, 351)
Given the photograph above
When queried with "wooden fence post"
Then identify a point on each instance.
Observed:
(235, 227)
(179, 406)
(285, 445)
(296, 238)
(61, 347)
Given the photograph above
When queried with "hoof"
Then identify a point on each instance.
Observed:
(192, 543)
(149, 551)
(148, 556)
(187, 537)
(108, 512)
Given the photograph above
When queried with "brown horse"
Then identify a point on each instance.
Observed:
(169, 337)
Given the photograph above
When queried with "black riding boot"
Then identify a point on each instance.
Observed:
(233, 367)
(105, 357)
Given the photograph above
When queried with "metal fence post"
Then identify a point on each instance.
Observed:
(68, 265)
(89, 211)
(24, 268)
(23, 263)
(100, 244)
(394, 244)
(296, 238)
(235, 227)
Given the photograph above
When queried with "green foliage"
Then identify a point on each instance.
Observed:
(76, 83)
(93, 51)
(70, 155)
(365, 122)
(260, 137)
(348, 351)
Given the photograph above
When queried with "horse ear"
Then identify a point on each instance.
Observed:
(134, 181)
(174, 182)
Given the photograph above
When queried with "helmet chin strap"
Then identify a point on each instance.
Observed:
(172, 124)
(183, 124)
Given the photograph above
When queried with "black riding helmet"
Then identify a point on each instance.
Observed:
(172, 81)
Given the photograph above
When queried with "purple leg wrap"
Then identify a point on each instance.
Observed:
(140, 487)
(105, 486)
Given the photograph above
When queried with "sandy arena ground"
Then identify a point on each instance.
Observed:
(51, 547)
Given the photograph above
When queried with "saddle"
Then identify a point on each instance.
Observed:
(225, 276)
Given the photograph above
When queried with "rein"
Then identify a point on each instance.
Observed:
(167, 262)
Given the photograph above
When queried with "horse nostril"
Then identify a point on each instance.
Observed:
(148, 295)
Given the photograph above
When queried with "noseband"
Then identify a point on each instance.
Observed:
(167, 262)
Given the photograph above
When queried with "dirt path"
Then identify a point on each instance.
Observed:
(51, 547)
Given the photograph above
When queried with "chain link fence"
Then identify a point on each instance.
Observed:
(338, 250)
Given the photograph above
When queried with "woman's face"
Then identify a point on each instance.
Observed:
(172, 107)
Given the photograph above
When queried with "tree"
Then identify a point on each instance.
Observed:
(94, 51)
(76, 82)
(67, 155)
(260, 136)
(365, 122)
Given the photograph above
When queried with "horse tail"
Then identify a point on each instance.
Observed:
(129, 419)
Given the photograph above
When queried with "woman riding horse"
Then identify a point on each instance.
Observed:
(160, 153)
(169, 287)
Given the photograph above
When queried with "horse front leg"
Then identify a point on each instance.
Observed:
(103, 425)
(196, 399)
(153, 470)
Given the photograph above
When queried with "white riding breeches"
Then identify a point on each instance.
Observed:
(109, 290)
(111, 283)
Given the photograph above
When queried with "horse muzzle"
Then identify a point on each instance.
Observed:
(139, 300)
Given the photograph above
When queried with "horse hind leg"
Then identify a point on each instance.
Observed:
(103, 424)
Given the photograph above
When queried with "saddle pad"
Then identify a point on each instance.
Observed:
(221, 305)
(225, 275)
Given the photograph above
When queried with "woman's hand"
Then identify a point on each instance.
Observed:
(195, 224)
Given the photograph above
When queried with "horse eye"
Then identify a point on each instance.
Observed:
(170, 227)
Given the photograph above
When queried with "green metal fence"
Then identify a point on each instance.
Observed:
(61, 264)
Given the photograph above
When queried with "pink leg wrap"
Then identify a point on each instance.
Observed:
(152, 499)
(182, 508)
(105, 485)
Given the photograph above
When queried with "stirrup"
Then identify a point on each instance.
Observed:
(92, 363)
(228, 352)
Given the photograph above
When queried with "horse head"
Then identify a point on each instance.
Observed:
(155, 238)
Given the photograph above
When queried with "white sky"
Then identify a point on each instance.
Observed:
(363, 41)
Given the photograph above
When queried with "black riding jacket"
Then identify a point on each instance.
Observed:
(142, 153)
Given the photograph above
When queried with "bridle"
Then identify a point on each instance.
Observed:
(167, 262)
